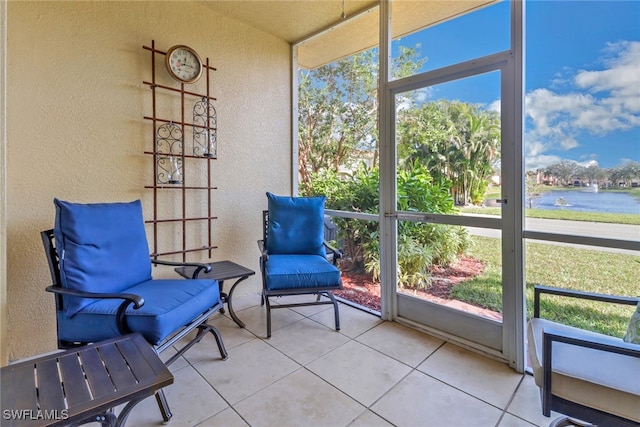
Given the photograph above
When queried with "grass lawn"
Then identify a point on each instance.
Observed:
(565, 267)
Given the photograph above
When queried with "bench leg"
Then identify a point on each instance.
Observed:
(121, 420)
(106, 419)
(163, 405)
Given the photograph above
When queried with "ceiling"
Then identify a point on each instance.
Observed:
(296, 21)
(290, 20)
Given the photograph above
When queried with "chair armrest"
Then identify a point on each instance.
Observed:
(263, 251)
(200, 267)
(134, 299)
(539, 290)
(137, 300)
(336, 253)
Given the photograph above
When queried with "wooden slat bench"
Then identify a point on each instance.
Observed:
(83, 384)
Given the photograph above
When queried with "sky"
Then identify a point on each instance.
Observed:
(582, 79)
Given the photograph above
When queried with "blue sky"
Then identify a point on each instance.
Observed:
(582, 83)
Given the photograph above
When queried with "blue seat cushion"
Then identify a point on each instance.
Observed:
(102, 248)
(169, 305)
(300, 271)
(296, 225)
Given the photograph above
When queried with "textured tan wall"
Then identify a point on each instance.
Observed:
(75, 130)
(3, 185)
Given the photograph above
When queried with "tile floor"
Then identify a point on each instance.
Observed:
(371, 373)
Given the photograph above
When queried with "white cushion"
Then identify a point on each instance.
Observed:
(597, 379)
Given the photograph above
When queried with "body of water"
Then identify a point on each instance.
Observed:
(603, 201)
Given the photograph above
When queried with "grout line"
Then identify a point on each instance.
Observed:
(513, 396)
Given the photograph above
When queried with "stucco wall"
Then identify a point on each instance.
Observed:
(75, 130)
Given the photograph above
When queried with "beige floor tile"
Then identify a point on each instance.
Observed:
(306, 340)
(226, 418)
(420, 400)
(305, 310)
(526, 403)
(300, 399)
(359, 371)
(353, 322)
(369, 419)
(191, 400)
(487, 379)
(242, 302)
(249, 368)
(232, 334)
(400, 342)
(255, 319)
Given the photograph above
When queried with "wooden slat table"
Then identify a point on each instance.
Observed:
(221, 271)
(82, 384)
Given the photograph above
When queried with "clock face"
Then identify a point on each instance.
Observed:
(184, 64)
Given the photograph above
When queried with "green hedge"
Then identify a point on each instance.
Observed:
(421, 245)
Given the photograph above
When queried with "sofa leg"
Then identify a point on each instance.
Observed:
(569, 422)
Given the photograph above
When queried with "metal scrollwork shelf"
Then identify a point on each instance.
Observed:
(172, 160)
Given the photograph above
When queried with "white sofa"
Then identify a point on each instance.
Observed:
(593, 377)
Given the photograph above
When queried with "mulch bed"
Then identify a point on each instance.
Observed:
(363, 290)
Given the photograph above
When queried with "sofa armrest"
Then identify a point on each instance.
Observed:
(539, 290)
(601, 343)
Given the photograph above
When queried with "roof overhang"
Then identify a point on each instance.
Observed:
(320, 32)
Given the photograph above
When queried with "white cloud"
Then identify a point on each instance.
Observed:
(598, 102)
(495, 106)
(540, 162)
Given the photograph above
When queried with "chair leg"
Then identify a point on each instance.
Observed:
(216, 334)
(268, 304)
(336, 312)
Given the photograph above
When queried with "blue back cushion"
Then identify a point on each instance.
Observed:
(102, 248)
(296, 225)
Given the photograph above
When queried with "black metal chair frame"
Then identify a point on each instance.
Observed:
(332, 253)
(199, 323)
(551, 402)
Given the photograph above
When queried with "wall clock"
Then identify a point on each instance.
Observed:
(183, 64)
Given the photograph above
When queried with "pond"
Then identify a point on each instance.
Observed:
(585, 201)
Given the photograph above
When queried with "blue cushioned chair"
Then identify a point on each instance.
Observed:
(101, 271)
(294, 254)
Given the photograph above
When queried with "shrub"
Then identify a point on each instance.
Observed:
(420, 244)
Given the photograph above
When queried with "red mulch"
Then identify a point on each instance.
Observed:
(361, 289)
